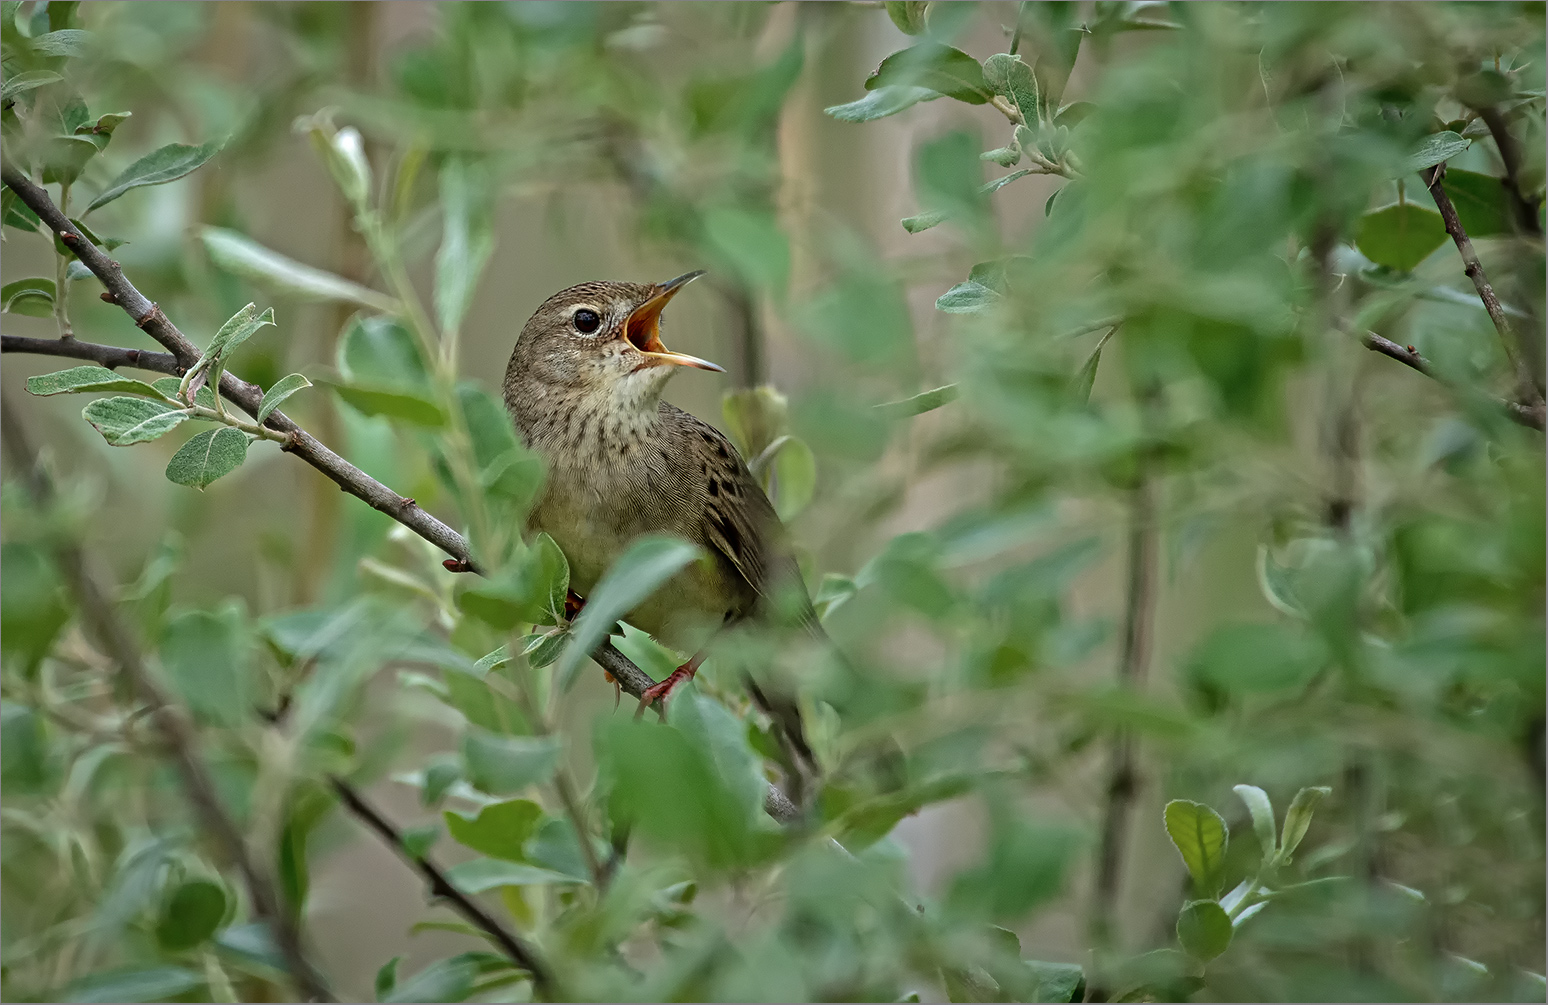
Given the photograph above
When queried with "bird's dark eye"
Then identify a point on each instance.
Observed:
(586, 322)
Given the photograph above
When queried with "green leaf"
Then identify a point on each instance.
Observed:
(1482, 205)
(542, 648)
(123, 421)
(208, 455)
(191, 915)
(649, 562)
(1298, 818)
(32, 297)
(23, 748)
(67, 42)
(908, 15)
(33, 604)
(795, 477)
(1400, 236)
(939, 67)
(1204, 929)
(923, 221)
(1262, 811)
(1056, 982)
(80, 379)
(1010, 77)
(448, 980)
(237, 329)
(1086, 378)
(753, 244)
(207, 657)
(100, 132)
(467, 238)
(507, 470)
(499, 830)
(439, 776)
(1008, 156)
(252, 943)
(61, 13)
(1432, 150)
(395, 404)
(1245, 658)
(966, 298)
(504, 765)
(417, 841)
(237, 253)
(276, 395)
(169, 163)
(882, 102)
(387, 978)
(151, 984)
(924, 401)
(20, 83)
(484, 874)
(167, 388)
(551, 568)
(1200, 836)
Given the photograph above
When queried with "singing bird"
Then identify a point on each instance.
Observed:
(584, 385)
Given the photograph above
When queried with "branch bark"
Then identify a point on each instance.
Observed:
(1530, 416)
(1138, 632)
(523, 955)
(102, 620)
(1527, 390)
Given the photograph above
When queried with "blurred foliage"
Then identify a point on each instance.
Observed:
(1354, 552)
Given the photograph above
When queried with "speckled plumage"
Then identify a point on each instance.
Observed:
(623, 463)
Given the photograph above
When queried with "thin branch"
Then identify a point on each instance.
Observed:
(1527, 391)
(522, 954)
(110, 356)
(247, 396)
(1510, 156)
(1533, 417)
(98, 613)
(1138, 633)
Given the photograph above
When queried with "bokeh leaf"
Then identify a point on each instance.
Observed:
(240, 254)
(1204, 929)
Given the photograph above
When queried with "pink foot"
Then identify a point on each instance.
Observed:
(661, 691)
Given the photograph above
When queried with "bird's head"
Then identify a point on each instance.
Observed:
(602, 339)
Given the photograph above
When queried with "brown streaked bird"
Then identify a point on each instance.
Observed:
(584, 385)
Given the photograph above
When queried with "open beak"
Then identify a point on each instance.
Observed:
(643, 329)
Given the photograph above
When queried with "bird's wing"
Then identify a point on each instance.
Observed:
(738, 521)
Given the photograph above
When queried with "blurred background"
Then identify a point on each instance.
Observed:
(1259, 553)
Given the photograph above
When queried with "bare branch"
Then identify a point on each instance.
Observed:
(1531, 416)
(1123, 780)
(102, 620)
(522, 954)
(110, 356)
(1528, 393)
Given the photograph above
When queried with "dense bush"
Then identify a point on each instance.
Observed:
(1223, 470)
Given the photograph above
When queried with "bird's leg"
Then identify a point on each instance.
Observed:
(662, 690)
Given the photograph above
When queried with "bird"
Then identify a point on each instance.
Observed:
(584, 387)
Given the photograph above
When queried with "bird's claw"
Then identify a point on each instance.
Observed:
(661, 691)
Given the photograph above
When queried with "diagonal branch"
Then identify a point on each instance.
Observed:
(523, 955)
(1527, 390)
(247, 396)
(100, 617)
